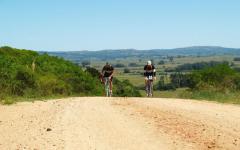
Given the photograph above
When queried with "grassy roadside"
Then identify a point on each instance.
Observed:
(231, 97)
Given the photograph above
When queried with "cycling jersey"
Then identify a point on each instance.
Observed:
(107, 70)
(149, 71)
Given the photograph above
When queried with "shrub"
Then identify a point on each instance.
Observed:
(29, 74)
(126, 70)
(124, 88)
(118, 65)
(198, 65)
(161, 62)
(236, 59)
(85, 63)
(133, 65)
(221, 78)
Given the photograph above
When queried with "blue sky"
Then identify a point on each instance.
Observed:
(71, 25)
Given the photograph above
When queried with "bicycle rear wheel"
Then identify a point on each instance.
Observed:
(107, 87)
(150, 88)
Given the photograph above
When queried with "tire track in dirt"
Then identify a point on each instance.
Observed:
(90, 123)
(180, 127)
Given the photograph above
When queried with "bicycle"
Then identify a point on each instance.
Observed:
(107, 87)
(149, 86)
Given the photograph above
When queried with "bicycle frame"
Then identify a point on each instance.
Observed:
(149, 88)
(107, 86)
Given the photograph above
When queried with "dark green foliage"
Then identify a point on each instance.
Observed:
(94, 72)
(180, 80)
(162, 86)
(126, 70)
(86, 63)
(124, 88)
(198, 66)
(170, 58)
(26, 73)
(118, 65)
(219, 78)
(237, 59)
(161, 62)
(133, 65)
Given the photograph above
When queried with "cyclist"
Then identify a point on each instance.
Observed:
(107, 72)
(149, 73)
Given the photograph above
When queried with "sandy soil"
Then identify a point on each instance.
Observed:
(98, 123)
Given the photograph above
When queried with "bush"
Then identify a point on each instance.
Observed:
(165, 87)
(126, 70)
(124, 88)
(221, 78)
(161, 62)
(85, 63)
(94, 72)
(133, 65)
(180, 80)
(119, 65)
(237, 59)
(29, 74)
(198, 66)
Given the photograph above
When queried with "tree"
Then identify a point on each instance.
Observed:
(236, 59)
(132, 65)
(85, 63)
(94, 72)
(220, 78)
(161, 62)
(119, 65)
(126, 70)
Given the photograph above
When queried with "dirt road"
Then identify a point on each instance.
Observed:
(97, 123)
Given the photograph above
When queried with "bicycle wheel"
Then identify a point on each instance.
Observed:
(150, 88)
(107, 88)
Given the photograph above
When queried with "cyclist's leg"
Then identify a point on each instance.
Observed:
(151, 88)
(147, 88)
(110, 84)
(146, 83)
(106, 83)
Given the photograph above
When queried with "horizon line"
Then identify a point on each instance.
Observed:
(112, 49)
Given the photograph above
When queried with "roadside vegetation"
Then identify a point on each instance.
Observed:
(28, 75)
(219, 83)
(214, 78)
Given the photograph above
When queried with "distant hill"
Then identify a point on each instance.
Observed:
(153, 53)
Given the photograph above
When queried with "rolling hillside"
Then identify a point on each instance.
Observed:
(154, 53)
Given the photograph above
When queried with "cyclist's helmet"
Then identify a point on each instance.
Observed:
(149, 65)
(149, 62)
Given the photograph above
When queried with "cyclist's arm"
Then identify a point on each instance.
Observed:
(111, 75)
(112, 72)
(145, 68)
(154, 71)
(103, 70)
